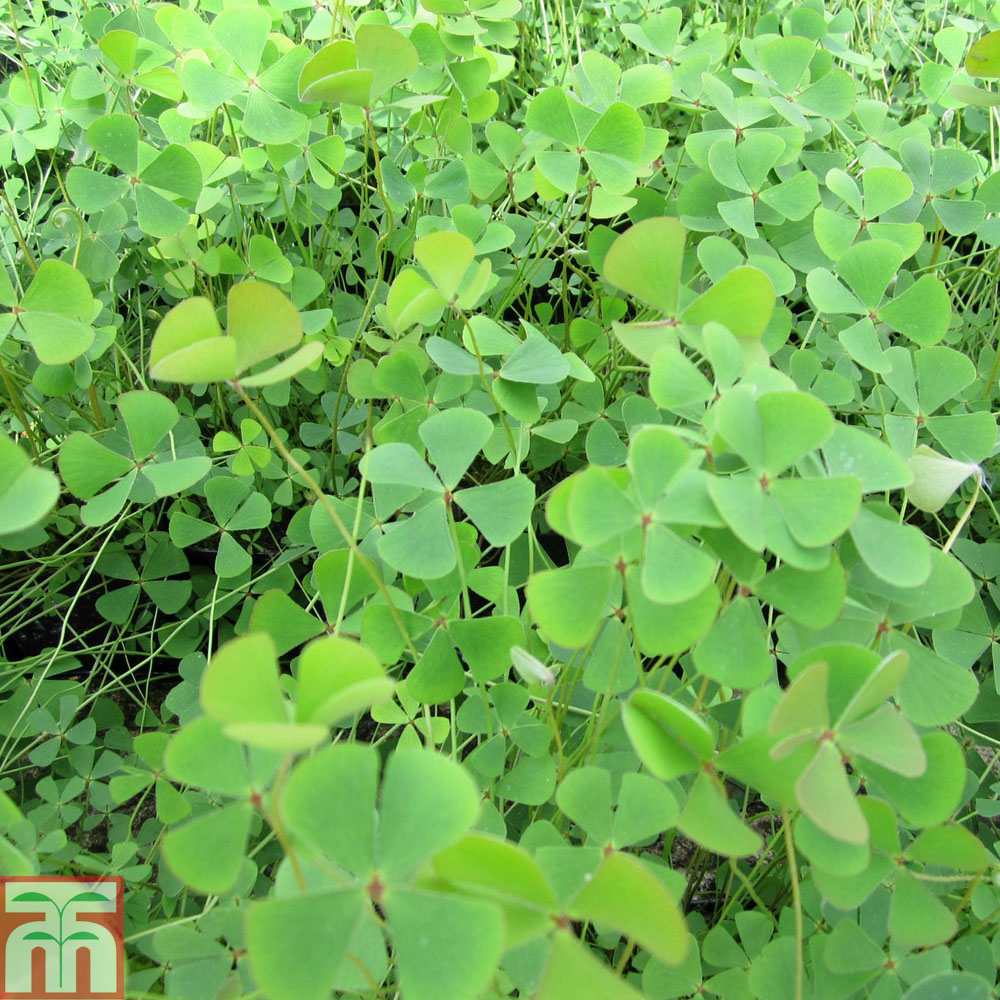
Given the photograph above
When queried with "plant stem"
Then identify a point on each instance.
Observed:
(273, 817)
(793, 876)
(96, 407)
(379, 277)
(15, 399)
(24, 66)
(488, 389)
(324, 500)
(967, 513)
(18, 235)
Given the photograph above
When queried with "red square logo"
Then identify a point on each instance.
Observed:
(62, 937)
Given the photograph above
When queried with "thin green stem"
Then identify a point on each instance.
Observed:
(370, 568)
(793, 875)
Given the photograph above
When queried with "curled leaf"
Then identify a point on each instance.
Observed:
(936, 477)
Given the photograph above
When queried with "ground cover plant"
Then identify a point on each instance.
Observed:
(495, 498)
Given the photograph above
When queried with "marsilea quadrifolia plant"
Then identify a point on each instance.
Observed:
(495, 500)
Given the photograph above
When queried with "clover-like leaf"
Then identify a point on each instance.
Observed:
(27, 492)
(189, 345)
(645, 261)
(669, 738)
(936, 477)
(983, 59)
(55, 313)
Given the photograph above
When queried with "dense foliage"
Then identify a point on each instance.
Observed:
(495, 499)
